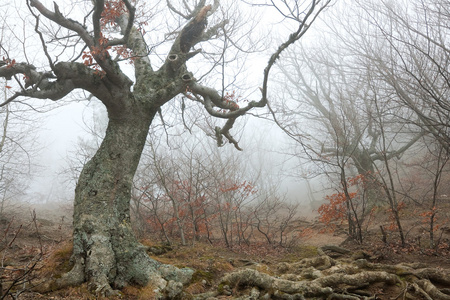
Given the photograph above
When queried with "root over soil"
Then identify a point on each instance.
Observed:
(323, 277)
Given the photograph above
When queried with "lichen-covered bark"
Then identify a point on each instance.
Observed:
(105, 249)
(106, 253)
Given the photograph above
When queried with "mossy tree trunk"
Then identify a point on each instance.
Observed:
(105, 249)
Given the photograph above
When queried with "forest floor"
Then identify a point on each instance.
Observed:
(35, 246)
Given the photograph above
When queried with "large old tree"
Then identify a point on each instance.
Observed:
(106, 254)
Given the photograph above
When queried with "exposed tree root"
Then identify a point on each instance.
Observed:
(320, 277)
(166, 280)
(431, 290)
(316, 288)
(325, 278)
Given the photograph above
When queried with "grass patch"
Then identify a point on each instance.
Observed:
(58, 262)
(300, 252)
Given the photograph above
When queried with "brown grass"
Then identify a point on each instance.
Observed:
(58, 261)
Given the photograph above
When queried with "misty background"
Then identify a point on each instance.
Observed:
(337, 102)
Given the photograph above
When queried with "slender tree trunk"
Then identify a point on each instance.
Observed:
(180, 225)
(208, 232)
(432, 217)
(224, 227)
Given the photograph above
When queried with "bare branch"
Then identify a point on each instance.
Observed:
(95, 44)
(126, 23)
(59, 19)
(36, 29)
(191, 12)
(191, 34)
(96, 16)
(295, 36)
(212, 99)
(225, 131)
(172, 8)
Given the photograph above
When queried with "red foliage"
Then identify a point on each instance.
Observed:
(9, 63)
(111, 11)
(195, 209)
(392, 220)
(336, 210)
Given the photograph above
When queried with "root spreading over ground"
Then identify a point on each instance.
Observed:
(323, 277)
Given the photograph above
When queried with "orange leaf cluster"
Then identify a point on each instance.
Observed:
(112, 10)
(9, 63)
(334, 210)
(245, 188)
(125, 53)
(432, 216)
(392, 220)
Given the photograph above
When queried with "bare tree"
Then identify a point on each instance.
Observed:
(405, 47)
(331, 113)
(272, 217)
(425, 187)
(401, 49)
(84, 51)
(438, 171)
(18, 146)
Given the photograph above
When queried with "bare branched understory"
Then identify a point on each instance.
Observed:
(258, 271)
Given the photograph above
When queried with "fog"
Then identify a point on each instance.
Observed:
(251, 127)
(263, 142)
(335, 119)
(58, 135)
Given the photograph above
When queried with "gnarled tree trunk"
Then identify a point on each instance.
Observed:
(105, 249)
(106, 253)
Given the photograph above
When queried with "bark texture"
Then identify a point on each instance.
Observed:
(105, 249)
(106, 252)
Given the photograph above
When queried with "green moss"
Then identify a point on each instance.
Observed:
(159, 249)
(181, 266)
(63, 268)
(402, 272)
(200, 275)
(308, 251)
(187, 296)
(301, 252)
(264, 269)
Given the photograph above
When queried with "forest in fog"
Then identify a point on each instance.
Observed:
(227, 123)
(358, 114)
